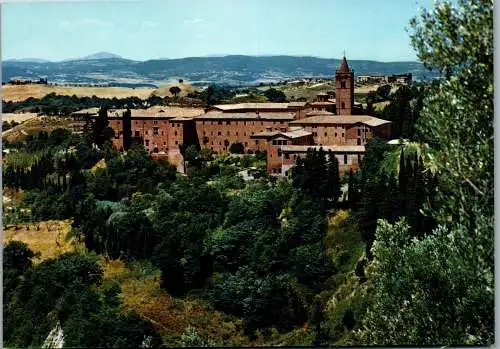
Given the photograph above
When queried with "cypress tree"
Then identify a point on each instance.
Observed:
(333, 177)
(351, 191)
(127, 129)
(403, 184)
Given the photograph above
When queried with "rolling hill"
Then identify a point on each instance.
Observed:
(230, 70)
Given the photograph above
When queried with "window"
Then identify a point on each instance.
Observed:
(136, 122)
(279, 152)
(244, 133)
(137, 134)
(244, 123)
(359, 158)
(287, 156)
(165, 122)
(342, 134)
(343, 105)
(220, 122)
(335, 134)
(176, 143)
(256, 141)
(274, 142)
(261, 123)
(228, 122)
(281, 122)
(228, 133)
(218, 133)
(236, 133)
(211, 133)
(204, 133)
(155, 122)
(326, 134)
(162, 133)
(246, 143)
(315, 134)
(164, 143)
(147, 142)
(345, 159)
(155, 131)
(286, 173)
(175, 133)
(342, 84)
(359, 132)
(358, 141)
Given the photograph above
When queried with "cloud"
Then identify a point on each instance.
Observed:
(83, 24)
(195, 21)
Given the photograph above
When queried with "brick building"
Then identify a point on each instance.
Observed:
(284, 130)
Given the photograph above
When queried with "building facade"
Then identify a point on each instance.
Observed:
(284, 130)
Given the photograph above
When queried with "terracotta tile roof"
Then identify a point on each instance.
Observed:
(297, 104)
(257, 106)
(341, 119)
(319, 112)
(247, 116)
(322, 103)
(297, 133)
(289, 134)
(333, 148)
(159, 112)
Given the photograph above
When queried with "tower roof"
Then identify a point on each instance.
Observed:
(344, 67)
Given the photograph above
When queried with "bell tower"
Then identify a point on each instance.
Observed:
(344, 85)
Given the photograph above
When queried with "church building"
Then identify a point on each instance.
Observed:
(284, 130)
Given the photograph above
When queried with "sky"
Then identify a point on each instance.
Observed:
(152, 29)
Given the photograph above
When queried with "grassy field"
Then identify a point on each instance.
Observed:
(17, 117)
(49, 238)
(33, 126)
(17, 93)
(310, 91)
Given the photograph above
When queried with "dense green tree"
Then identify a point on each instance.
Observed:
(438, 288)
(127, 129)
(274, 95)
(174, 90)
(383, 92)
(237, 148)
(101, 132)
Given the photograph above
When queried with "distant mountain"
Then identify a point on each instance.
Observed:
(29, 60)
(96, 56)
(235, 70)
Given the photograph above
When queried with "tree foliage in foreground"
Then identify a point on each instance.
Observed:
(438, 289)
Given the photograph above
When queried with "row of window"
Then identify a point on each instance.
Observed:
(315, 134)
(287, 156)
(146, 142)
(220, 122)
(364, 130)
(279, 142)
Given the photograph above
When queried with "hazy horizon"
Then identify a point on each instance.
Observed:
(213, 55)
(147, 30)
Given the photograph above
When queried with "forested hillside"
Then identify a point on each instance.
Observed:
(398, 253)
